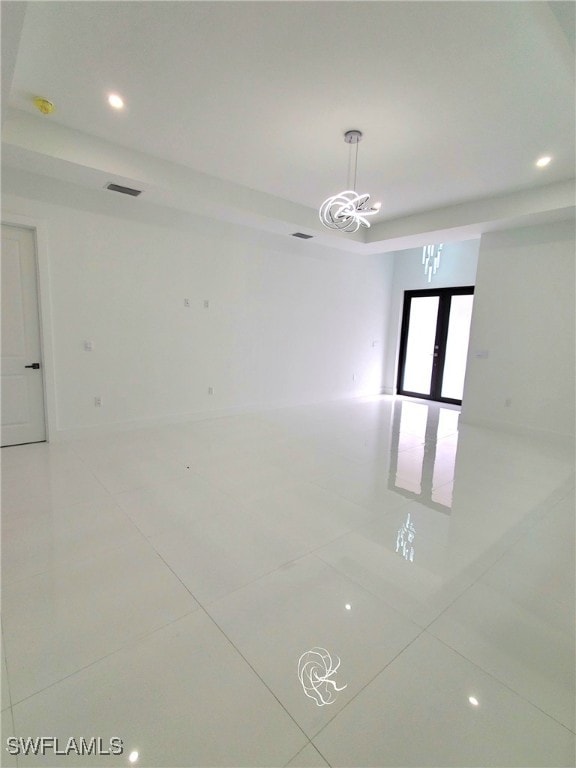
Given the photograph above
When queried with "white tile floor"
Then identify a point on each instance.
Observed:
(161, 585)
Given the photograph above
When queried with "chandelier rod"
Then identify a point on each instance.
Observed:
(349, 174)
(349, 177)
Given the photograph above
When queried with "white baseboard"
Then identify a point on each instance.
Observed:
(563, 438)
(111, 428)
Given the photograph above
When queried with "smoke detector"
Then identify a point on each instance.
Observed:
(45, 106)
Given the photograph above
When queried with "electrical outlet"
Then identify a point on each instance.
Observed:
(353, 377)
(210, 390)
(98, 402)
(88, 346)
(186, 302)
(508, 402)
(206, 304)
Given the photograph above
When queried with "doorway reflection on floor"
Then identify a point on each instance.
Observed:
(423, 452)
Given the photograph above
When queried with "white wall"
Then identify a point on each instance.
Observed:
(524, 318)
(457, 268)
(289, 321)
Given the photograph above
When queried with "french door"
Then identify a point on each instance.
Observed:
(434, 343)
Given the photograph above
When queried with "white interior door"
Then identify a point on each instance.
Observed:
(22, 385)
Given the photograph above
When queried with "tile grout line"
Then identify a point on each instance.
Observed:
(10, 706)
(426, 629)
(371, 680)
(473, 583)
(312, 551)
(391, 607)
(498, 680)
(229, 640)
(132, 538)
(504, 553)
(310, 744)
(133, 641)
(113, 494)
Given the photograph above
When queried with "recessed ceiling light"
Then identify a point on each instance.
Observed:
(348, 607)
(133, 756)
(473, 700)
(543, 161)
(115, 101)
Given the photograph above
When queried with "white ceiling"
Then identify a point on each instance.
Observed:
(456, 99)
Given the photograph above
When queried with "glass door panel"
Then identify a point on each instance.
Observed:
(420, 345)
(457, 347)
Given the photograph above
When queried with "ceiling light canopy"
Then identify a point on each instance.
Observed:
(347, 210)
(115, 101)
(542, 162)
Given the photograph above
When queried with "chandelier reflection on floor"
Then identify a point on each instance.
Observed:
(405, 540)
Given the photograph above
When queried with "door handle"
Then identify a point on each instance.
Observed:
(34, 365)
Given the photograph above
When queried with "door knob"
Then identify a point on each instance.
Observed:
(34, 365)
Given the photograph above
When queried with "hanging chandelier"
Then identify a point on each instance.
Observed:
(431, 259)
(347, 210)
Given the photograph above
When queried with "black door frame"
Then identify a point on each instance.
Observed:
(444, 304)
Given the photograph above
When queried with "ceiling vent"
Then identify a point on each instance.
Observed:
(301, 235)
(124, 190)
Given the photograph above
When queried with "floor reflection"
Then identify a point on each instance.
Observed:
(405, 539)
(423, 452)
